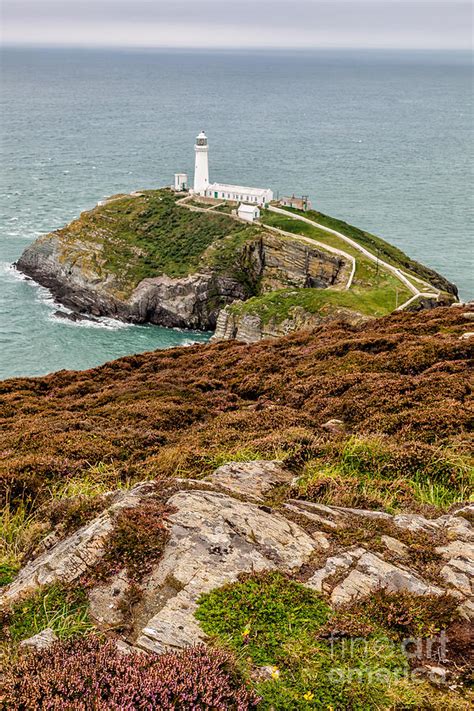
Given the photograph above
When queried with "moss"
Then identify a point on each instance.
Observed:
(271, 620)
(259, 614)
(72, 513)
(8, 572)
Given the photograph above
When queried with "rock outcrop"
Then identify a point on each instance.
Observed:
(250, 328)
(66, 560)
(225, 526)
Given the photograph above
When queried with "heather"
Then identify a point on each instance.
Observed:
(400, 615)
(399, 384)
(90, 673)
(137, 541)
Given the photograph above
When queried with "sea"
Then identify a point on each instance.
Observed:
(381, 139)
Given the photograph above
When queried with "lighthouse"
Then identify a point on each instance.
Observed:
(201, 165)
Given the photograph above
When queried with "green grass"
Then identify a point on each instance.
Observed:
(377, 246)
(139, 237)
(279, 305)
(260, 614)
(383, 291)
(372, 472)
(63, 609)
(19, 529)
(270, 620)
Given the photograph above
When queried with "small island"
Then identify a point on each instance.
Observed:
(200, 259)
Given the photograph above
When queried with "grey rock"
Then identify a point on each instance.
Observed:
(106, 601)
(310, 516)
(395, 546)
(457, 549)
(372, 572)
(334, 425)
(42, 640)
(459, 574)
(415, 523)
(334, 566)
(70, 558)
(251, 479)
(213, 538)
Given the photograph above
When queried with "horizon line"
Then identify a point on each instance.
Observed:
(243, 48)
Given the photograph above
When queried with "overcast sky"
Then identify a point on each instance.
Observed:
(239, 23)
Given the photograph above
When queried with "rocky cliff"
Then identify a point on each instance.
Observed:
(150, 257)
(96, 264)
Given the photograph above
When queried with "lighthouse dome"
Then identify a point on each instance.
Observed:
(201, 140)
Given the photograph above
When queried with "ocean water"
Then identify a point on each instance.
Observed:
(381, 139)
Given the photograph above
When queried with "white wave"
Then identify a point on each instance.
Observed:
(9, 270)
(109, 324)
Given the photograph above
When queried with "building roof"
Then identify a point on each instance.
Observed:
(245, 207)
(222, 187)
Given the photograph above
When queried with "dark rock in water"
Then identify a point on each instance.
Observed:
(74, 316)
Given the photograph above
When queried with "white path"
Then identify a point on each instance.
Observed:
(325, 247)
(398, 273)
(394, 270)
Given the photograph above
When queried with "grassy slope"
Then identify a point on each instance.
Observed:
(149, 235)
(134, 237)
(378, 246)
(374, 291)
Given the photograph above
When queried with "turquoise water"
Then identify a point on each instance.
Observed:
(383, 140)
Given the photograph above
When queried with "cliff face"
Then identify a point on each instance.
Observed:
(73, 264)
(187, 302)
(149, 258)
(250, 328)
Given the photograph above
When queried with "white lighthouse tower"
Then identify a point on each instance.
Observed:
(201, 166)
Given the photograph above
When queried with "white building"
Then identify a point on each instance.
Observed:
(238, 193)
(221, 191)
(180, 182)
(248, 212)
(201, 164)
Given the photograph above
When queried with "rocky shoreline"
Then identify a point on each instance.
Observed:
(192, 302)
(144, 258)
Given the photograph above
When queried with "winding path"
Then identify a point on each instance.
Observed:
(431, 292)
(401, 276)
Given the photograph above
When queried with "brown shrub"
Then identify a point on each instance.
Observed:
(405, 376)
(137, 540)
(90, 674)
(401, 614)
